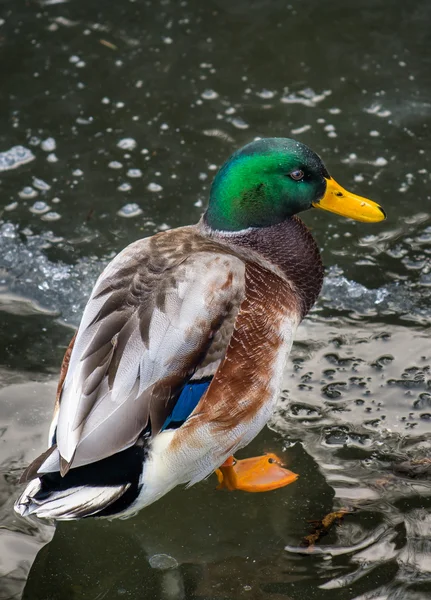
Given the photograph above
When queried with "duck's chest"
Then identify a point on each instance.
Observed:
(250, 373)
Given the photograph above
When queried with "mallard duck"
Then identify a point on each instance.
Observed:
(178, 360)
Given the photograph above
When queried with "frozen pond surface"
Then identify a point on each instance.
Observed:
(114, 118)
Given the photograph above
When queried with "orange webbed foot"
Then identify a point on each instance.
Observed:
(257, 474)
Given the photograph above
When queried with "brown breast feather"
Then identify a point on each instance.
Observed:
(242, 383)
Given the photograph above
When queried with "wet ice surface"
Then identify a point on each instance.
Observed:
(26, 271)
(115, 122)
(360, 405)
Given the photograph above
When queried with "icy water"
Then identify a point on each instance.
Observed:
(114, 117)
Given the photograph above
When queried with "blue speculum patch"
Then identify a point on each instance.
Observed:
(186, 404)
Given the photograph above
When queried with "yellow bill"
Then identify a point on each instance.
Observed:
(341, 202)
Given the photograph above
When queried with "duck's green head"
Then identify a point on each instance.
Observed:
(272, 179)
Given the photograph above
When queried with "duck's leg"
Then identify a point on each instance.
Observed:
(257, 474)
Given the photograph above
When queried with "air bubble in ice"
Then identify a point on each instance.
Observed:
(265, 94)
(27, 193)
(134, 173)
(114, 164)
(239, 123)
(129, 210)
(39, 207)
(154, 187)
(163, 562)
(51, 216)
(41, 185)
(209, 95)
(127, 144)
(48, 145)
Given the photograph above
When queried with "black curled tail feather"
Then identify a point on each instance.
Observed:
(105, 488)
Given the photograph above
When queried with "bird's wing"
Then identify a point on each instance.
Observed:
(145, 330)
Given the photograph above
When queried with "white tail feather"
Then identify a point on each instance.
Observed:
(65, 505)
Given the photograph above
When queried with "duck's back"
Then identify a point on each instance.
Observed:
(161, 313)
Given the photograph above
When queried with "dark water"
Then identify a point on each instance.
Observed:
(137, 103)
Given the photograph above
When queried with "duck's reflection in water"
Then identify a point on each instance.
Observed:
(193, 543)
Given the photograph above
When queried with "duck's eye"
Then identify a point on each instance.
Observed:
(297, 175)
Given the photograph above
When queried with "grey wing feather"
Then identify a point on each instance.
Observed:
(144, 332)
